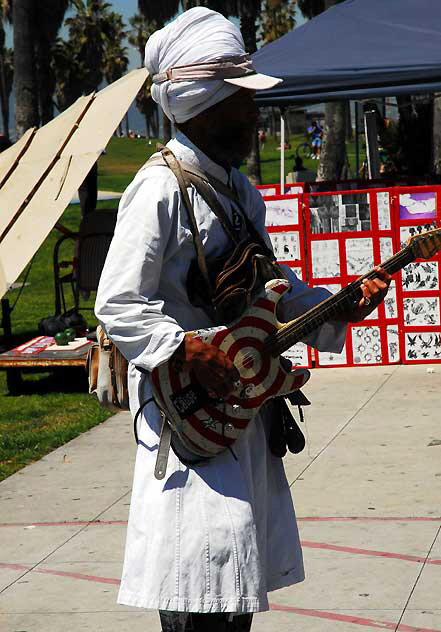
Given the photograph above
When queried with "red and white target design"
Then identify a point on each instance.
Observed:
(207, 426)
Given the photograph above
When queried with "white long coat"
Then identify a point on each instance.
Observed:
(217, 537)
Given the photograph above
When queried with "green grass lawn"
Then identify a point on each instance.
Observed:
(55, 407)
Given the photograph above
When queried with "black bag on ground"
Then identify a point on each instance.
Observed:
(52, 325)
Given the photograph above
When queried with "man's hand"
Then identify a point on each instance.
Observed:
(212, 368)
(374, 292)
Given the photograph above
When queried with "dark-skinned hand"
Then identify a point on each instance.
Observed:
(374, 292)
(212, 368)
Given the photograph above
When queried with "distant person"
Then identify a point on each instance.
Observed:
(315, 131)
(262, 139)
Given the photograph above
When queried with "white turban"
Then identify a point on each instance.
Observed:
(178, 57)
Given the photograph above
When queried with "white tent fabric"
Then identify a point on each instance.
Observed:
(42, 171)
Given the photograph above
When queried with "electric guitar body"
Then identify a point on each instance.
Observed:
(208, 426)
(255, 344)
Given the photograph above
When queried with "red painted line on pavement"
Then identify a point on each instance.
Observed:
(349, 549)
(344, 618)
(369, 518)
(48, 571)
(75, 523)
(99, 523)
(321, 614)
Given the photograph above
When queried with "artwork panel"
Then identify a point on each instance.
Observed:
(393, 346)
(325, 258)
(383, 206)
(324, 211)
(286, 245)
(328, 359)
(420, 276)
(412, 231)
(418, 205)
(366, 345)
(293, 189)
(386, 248)
(359, 255)
(298, 354)
(282, 212)
(390, 302)
(423, 346)
(421, 311)
(264, 192)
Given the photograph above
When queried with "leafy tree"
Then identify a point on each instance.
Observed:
(277, 18)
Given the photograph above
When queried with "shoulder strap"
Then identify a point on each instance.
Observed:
(175, 167)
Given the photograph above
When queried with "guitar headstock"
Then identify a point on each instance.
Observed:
(425, 245)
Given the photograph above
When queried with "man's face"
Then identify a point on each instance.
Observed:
(231, 126)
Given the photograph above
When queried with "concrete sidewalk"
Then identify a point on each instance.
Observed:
(367, 491)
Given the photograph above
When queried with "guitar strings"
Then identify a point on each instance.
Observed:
(334, 302)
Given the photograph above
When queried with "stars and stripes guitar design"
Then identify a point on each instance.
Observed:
(255, 344)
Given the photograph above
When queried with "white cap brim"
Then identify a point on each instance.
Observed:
(257, 81)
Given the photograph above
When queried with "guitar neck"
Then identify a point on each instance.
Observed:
(333, 307)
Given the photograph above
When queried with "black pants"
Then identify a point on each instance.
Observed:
(199, 622)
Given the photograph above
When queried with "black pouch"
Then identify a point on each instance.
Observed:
(285, 433)
(236, 279)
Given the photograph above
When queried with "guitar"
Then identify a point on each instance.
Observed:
(254, 343)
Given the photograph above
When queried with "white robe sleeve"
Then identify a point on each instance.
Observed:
(300, 298)
(128, 304)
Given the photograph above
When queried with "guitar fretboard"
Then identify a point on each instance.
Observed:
(333, 307)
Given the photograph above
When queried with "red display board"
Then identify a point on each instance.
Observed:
(338, 236)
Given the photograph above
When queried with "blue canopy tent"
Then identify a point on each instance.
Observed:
(357, 49)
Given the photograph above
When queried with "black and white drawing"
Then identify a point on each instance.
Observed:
(329, 359)
(411, 231)
(282, 212)
(359, 255)
(420, 276)
(298, 354)
(421, 311)
(268, 191)
(390, 302)
(386, 248)
(286, 246)
(393, 347)
(339, 213)
(298, 272)
(325, 258)
(383, 206)
(366, 345)
(423, 346)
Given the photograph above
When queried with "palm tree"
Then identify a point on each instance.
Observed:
(160, 13)
(49, 19)
(25, 74)
(141, 31)
(6, 67)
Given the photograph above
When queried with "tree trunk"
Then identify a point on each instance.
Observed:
(437, 135)
(46, 83)
(333, 161)
(25, 81)
(4, 98)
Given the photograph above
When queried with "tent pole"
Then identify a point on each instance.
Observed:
(372, 155)
(282, 151)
